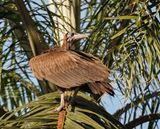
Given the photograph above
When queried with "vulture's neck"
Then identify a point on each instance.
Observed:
(65, 45)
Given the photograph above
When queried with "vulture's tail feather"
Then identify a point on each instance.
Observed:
(101, 87)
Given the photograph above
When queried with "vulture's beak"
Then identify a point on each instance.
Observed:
(80, 36)
(76, 37)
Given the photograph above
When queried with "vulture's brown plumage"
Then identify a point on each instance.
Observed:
(67, 68)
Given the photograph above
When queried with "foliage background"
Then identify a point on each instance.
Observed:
(125, 35)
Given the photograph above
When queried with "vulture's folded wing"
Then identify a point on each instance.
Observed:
(67, 68)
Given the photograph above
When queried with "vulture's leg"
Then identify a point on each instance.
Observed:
(61, 104)
(69, 96)
(66, 98)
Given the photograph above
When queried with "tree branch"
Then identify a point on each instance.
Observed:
(142, 120)
(118, 113)
(36, 40)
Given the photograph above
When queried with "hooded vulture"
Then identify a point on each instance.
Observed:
(69, 69)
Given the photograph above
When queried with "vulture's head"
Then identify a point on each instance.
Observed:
(71, 38)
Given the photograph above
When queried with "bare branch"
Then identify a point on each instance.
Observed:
(36, 40)
(142, 120)
(135, 103)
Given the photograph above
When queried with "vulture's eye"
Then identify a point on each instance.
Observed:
(70, 34)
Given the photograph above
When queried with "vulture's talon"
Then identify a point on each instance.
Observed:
(58, 109)
(61, 106)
